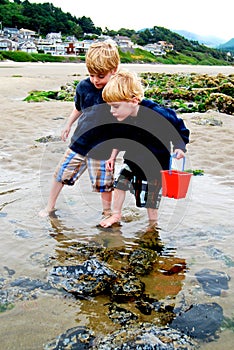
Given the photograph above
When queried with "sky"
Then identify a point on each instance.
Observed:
(202, 17)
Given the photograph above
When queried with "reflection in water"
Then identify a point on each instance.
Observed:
(127, 248)
(151, 255)
(118, 280)
(58, 227)
(143, 256)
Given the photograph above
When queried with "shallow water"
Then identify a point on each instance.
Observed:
(198, 230)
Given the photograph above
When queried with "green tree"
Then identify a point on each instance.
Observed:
(110, 32)
(77, 31)
(125, 32)
(144, 37)
(44, 18)
(87, 25)
(9, 13)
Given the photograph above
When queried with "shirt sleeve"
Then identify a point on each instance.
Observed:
(77, 98)
(180, 136)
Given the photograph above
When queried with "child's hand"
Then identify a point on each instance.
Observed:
(65, 132)
(179, 153)
(110, 164)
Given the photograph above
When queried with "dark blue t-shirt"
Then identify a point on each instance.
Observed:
(148, 136)
(145, 138)
(88, 135)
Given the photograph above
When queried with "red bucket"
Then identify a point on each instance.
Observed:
(175, 183)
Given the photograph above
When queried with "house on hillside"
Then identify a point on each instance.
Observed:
(27, 46)
(155, 49)
(54, 37)
(81, 47)
(26, 34)
(51, 49)
(160, 48)
(8, 45)
(70, 49)
(71, 39)
(10, 32)
(107, 39)
(166, 46)
(123, 41)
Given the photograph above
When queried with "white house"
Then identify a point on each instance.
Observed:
(52, 49)
(27, 46)
(123, 41)
(10, 32)
(26, 34)
(8, 45)
(81, 47)
(155, 49)
(166, 46)
(54, 37)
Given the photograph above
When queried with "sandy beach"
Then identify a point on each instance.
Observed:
(191, 226)
(210, 147)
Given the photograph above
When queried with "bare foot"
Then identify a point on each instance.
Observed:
(113, 219)
(106, 213)
(152, 228)
(45, 212)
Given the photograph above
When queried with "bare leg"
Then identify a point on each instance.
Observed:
(106, 203)
(119, 197)
(53, 196)
(152, 216)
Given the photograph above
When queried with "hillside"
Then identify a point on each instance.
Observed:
(210, 41)
(228, 46)
(45, 18)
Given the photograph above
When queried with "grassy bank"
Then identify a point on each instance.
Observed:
(130, 56)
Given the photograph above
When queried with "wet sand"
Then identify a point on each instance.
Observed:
(191, 226)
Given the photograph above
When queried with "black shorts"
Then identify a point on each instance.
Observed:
(147, 193)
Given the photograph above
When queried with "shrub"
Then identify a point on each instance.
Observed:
(47, 58)
(18, 56)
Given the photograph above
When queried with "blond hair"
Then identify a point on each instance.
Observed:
(123, 86)
(102, 58)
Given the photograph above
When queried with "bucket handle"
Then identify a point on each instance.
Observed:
(174, 156)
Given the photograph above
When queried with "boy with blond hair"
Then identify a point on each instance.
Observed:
(102, 61)
(145, 131)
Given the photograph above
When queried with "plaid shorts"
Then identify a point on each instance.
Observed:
(147, 193)
(72, 166)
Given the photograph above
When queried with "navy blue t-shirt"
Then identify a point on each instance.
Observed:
(90, 131)
(145, 138)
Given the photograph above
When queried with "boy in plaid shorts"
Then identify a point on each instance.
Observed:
(102, 61)
(145, 131)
